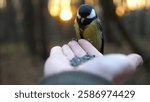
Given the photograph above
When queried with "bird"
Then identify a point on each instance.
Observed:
(88, 26)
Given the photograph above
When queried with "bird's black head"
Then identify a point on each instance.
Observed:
(85, 15)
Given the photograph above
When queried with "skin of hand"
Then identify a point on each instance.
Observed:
(117, 68)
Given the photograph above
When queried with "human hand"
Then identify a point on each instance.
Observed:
(57, 61)
(117, 68)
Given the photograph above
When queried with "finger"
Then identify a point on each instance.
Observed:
(56, 52)
(57, 62)
(68, 52)
(89, 48)
(76, 48)
(135, 59)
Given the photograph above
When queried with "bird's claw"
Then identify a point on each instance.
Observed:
(74, 39)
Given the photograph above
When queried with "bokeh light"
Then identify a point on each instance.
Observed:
(64, 9)
(65, 14)
(2, 4)
(54, 7)
(135, 4)
(120, 11)
(124, 6)
(61, 9)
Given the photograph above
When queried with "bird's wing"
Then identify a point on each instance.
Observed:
(93, 33)
(100, 26)
(101, 33)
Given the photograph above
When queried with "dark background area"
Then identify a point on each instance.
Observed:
(28, 32)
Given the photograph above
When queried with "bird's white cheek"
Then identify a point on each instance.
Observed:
(92, 14)
(78, 15)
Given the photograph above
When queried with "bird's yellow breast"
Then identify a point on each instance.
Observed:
(91, 32)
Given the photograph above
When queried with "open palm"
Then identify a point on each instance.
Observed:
(113, 67)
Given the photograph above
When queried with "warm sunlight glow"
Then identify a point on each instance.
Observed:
(120, 11)
(2, 4)
(61, 8)
(66, 15)
(124, 6)
(54, 7)
(147, 2)
(135, 4)
(89, 2)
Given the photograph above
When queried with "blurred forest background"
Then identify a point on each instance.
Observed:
(29, 28)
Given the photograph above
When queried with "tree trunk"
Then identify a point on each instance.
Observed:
(0, 65)
(29, 25)
(40, 20)
(44, 52)
(108, 15)
(143, 22)
(109, 9)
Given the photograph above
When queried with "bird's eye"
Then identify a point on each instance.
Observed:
(92, 14)
(78, 15)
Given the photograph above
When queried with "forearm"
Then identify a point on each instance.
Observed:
(74, 78)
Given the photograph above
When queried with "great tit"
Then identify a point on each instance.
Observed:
(88, 26)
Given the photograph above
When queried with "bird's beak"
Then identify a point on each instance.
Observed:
(82, 20)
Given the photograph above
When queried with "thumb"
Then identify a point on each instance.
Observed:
(136, 60)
